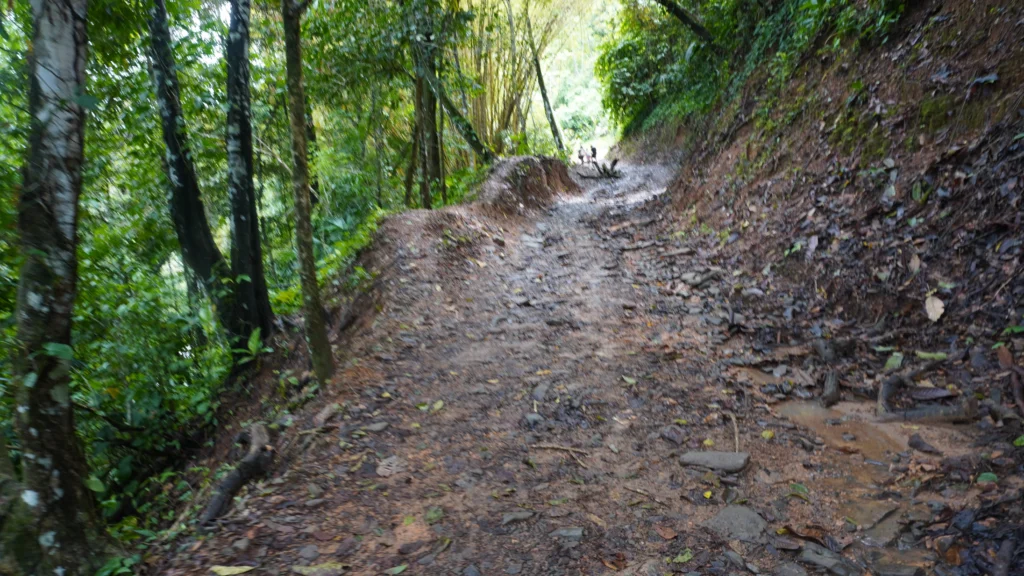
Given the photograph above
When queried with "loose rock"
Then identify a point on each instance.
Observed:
(738, 523)
(515, 517)
(673, 434)
(377, 427)
(822, 557)
(570, 533)
(724, 461)
(789, 569)
(310, 552)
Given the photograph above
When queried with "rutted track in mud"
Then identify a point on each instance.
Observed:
(520, 405)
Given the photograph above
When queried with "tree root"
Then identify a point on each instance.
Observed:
(891, 384)
(964, 412)
(830, 393)
(256, 463)
(1004, 558)
(1018, 389)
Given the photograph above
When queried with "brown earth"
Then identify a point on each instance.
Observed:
(515, 397)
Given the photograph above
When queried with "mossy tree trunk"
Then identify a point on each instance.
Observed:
(316, 329)
(251, 295)
(48, 522)
(199, 251)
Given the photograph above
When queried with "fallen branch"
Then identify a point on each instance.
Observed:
(830, 393)
(256, 463)
(1004, 558)
(562, 448)
(891, 384)
(964, 412)
(648, 495)
(1016, 372)
(735, 430)
(578, 461)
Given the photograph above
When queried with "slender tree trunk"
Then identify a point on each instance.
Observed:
(464, 127)
(543, 90)
(49, 524)
(199, 251)
(440, 151)
(431, 140)
(410, 172)
(689, 21)
(421, 121)
(316, 328)
(252, 298)
(462, 93)
(515, 63)
(314, 181)
(377, 130)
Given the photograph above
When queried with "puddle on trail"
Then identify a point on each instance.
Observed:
(853, 427)
(881, 515)
(843, 428)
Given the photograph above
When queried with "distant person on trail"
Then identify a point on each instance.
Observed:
(593, 154)
(579, 154)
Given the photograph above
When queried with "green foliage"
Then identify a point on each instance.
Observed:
(653, 69)
(254, 348)
(149, 360)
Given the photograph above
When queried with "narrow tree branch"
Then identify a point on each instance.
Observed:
(690, 21)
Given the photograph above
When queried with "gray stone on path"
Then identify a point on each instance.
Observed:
(735, 559)
(789, 569)
(471, 570)
(377, 427)
(822, 557)
(673, 434)
(648, 568)
(242, 544)
(738, 523)
(532, 419)
(540, 391)
(310, 552)
(515, 517)
(723, 461)
(896, 570)
(570, 533)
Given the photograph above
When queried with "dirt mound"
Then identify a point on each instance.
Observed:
(522, 183)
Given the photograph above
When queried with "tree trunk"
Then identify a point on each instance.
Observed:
(314, 181)
(431, 142)
(440, 156)
(378, 128)
(462, 93)
(690, 22)
(420, 122)
(410, 172)
(514, 64)
(49, 523)
(543, 90)
(198, 248)
(252, 298)
(316, 328)
(464, 127)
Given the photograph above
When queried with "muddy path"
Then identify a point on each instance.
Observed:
(566, 393)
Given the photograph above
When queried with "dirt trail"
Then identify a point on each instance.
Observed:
(520, 405)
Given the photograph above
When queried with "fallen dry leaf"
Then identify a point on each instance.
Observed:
(1005, 357)
(665, 532)
(934, 307)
